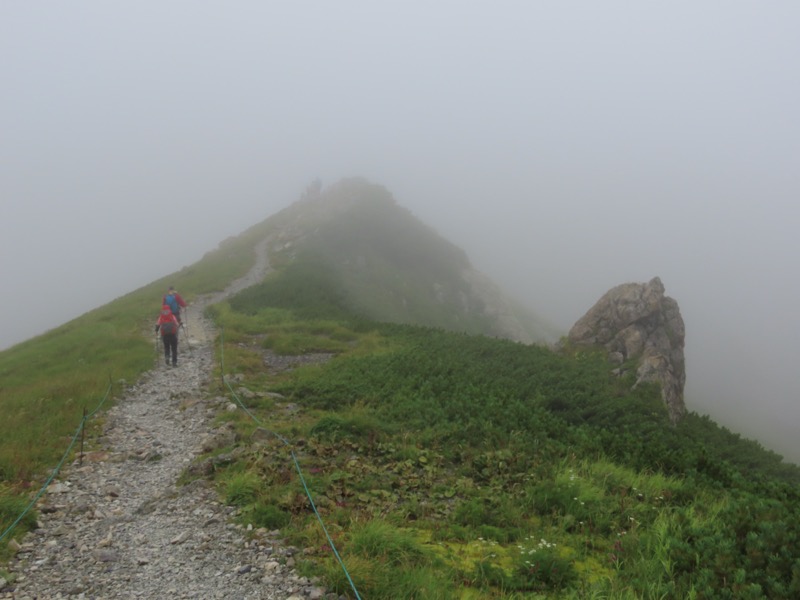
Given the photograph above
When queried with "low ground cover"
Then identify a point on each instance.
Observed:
(447, 466)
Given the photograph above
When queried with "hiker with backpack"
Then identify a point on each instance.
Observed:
(175, 302)
(168, 325)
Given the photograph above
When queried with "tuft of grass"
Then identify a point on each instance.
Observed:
(241, 489)
(389, 562)
(12, 507)
(382, 541)
(355, 424)
(262, 514)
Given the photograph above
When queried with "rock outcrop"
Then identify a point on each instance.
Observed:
(636, 321)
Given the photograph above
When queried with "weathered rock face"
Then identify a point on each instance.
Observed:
(637, 321)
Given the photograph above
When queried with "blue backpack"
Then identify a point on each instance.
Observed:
(173, 303)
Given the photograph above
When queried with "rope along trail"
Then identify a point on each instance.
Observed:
(119, 527)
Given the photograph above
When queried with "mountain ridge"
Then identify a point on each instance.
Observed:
(371, 242)
(434, 453)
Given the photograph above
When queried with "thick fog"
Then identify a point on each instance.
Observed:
(566, 146)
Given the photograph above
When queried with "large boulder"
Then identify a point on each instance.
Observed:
(636, 321)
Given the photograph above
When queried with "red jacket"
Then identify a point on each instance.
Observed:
(166, 316)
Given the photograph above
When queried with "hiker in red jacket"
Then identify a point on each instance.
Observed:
(175, 302)
(168, 324)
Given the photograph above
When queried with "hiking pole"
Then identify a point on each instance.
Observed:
(188, 345)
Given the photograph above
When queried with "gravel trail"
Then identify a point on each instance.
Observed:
(118, 526)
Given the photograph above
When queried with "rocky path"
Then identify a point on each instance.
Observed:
(118, 526)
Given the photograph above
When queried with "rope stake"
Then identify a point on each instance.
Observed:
(55, 471)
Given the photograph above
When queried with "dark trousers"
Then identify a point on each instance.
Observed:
(171, 346)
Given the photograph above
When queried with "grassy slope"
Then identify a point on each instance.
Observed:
(448, 465)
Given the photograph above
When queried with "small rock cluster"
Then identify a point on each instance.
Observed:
(277, 363)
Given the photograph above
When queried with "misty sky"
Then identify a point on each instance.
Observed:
(566, 146)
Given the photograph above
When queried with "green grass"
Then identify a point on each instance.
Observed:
(12, 507)
(481, 468)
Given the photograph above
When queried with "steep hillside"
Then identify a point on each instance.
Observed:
(389, 266)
